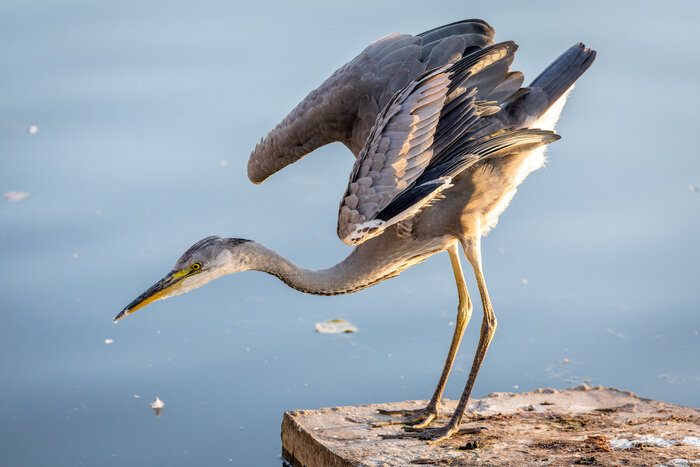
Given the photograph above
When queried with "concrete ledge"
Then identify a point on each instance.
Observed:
(576, 426)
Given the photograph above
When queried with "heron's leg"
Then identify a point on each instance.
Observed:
(472, 248)
(464, 313)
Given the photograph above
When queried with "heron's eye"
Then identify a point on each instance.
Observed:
(196, 266)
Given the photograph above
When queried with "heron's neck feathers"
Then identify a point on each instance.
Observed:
(350, 275)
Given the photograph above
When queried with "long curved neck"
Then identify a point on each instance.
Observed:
(350, 275)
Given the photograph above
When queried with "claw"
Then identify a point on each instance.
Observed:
(429, 417)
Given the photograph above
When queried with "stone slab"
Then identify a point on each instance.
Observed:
(577, 426)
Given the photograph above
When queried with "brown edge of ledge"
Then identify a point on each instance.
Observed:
(304, 450)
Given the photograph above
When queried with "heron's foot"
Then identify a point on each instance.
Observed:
(434, 435)
(415, 418)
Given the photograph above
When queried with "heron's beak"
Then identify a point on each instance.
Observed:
(161, 289)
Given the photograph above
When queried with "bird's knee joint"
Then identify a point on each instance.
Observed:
(490, 322)
(465, 308)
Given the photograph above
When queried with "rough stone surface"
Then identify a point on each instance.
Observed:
(576, 426)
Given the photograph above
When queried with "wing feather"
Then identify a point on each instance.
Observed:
(423, 126)
(345, 107)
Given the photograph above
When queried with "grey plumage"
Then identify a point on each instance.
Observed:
(345, 107)
(444, 134)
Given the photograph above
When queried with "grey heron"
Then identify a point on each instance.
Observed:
(443, 133)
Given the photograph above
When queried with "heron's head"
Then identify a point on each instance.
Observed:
(206, 260)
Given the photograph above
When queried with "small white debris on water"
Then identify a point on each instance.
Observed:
(137, 396)
(652, 440)
(693, 188)
(75, 255)
(223, 162)
(523, 281)
(335, 326)
(109, 341)
(33, 129)
(158, 404)
(14, 196)
(616, 334)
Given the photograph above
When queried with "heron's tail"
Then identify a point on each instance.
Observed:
(558, 77)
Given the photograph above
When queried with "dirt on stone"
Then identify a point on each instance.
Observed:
(576, 426)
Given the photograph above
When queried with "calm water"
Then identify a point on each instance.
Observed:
(596, 261)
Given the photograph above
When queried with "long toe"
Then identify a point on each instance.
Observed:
(428, 418)
(418, 418)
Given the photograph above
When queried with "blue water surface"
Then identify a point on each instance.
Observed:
(145, 113)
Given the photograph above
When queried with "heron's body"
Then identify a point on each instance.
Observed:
(443, 133)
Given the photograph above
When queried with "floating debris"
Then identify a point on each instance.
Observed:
(223, 162)
(335, 326)
(523, 281)
(14, 196)
(565, 361)
(75, 255)
(157, 406)
(693, 188)
(33, 129)
(616, 334)
(137, 396)
(109, 341)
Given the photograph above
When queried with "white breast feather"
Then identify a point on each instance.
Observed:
(534, 161)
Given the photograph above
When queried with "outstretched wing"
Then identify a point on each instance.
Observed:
(345, 107)
(423, 138)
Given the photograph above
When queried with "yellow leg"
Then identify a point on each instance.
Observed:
(472, 248)
(424, 416)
